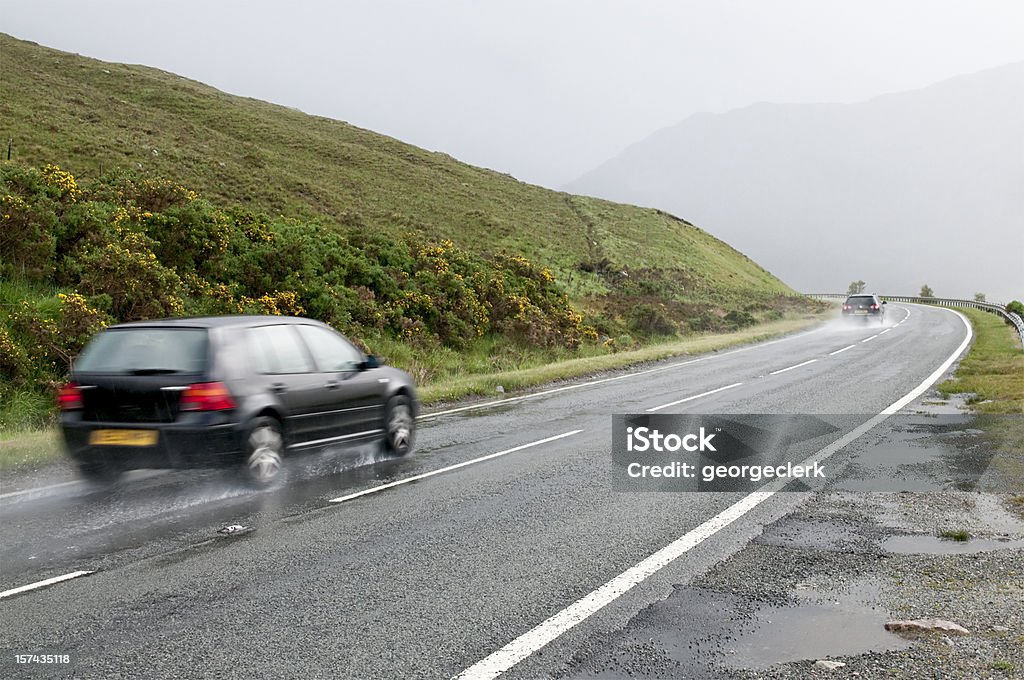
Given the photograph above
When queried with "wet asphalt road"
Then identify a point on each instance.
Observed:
(425, 579)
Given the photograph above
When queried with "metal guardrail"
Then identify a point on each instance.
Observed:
(1011, 317)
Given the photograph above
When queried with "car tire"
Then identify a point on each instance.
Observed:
(399, 426)
(98, 473)
(263, 463)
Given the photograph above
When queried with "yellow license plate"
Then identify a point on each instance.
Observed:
(123, 437)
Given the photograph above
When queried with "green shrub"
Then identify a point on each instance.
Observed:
(651, 319)
(739, 319)
(128, 271)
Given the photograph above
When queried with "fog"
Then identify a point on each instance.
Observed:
(922, 187)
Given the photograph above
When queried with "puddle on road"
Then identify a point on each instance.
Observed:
(922, 453)
(807, 631)
(933, 545)
(696, 632)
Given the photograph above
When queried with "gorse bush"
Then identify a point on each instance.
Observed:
(127, 248)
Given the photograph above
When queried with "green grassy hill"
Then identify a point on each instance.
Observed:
(305, 214)
(88, 116)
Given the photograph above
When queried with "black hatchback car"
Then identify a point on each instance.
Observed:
(227, 391)
(867, 307)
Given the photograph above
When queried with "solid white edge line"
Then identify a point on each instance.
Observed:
(38, 489)
(790, 368)
(526, 644)
(391, 485)
(43, 584)
(838, 351)
(709, 355)
(696, 396)
(869, 339)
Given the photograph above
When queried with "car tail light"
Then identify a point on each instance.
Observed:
(847, 308)
(70, 397)
(213, 396)
(875, 307)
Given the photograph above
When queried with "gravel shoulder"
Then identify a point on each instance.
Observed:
(811, 596)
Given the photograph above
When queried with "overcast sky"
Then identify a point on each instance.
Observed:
(542, 89)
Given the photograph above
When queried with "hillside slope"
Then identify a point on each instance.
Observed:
(88, 116)
(900, 190)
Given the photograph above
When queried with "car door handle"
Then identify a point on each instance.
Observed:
(278, 387)
(332, 384)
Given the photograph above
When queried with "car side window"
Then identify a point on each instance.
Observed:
(330, 351)
(277, 349)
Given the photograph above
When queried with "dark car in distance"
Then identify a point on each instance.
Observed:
(241, 391)
(867, 307)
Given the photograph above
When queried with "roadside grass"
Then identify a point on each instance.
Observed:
(1004, 666)
(993, 371)
(960, 535)
(992, 374)
(30, 447)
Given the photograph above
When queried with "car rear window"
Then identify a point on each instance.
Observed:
(865, 300)
(145, 351)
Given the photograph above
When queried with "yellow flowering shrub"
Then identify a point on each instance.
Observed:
(278, 303)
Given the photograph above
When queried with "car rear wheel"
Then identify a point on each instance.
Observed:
(99, 474)
(399, 426)
(264, 450)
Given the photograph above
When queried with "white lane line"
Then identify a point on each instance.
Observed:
(391, 485)
(790, 368)
(839, 351)
(533, 395)
(526, 644)
(38, 489)
(870, 339)
(696, 396)
(43, 584)
(499, 402)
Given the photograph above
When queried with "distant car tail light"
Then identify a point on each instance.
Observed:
(875, 307)
(70, 397)
(213, 396)
(847, 308)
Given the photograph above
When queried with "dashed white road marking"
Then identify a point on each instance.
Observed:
(838, 351)
(696, 396)
(790, 368)
(391, 485)
(554, 627)
(885, 331)
(43, 584)
(871, 338)
(678, 364)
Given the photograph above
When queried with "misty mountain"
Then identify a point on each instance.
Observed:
(925, 186)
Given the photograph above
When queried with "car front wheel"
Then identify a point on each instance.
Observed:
(399, 426)
(264, 450)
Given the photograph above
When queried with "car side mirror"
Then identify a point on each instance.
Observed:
(884, 302)
(370, 362)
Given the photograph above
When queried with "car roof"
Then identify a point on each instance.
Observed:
(236, 320)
